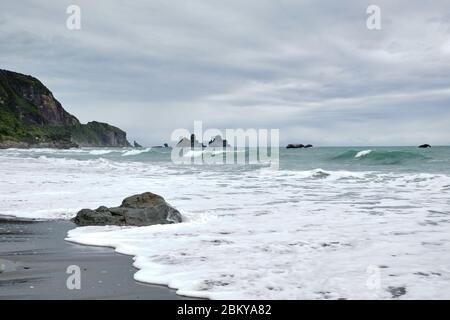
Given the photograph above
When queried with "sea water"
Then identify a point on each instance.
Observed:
(331, 223)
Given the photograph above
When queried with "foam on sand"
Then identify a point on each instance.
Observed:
(256, 233)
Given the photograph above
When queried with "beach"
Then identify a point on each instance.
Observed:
(331, 223)
(35, 258)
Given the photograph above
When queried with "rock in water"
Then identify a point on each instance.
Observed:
(295, 146)
(139, 210)
(218, 142)
(424, 146)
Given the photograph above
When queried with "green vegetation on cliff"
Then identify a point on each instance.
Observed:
(98, 134)
(31, 117)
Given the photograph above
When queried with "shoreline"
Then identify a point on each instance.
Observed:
(34, 258)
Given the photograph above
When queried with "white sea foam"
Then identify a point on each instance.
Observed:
(257, 233)
(193, 153)
(100, 152)
(210, 151)
(135, 152)
(363, 153)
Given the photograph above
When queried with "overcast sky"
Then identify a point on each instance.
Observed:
(310, 68)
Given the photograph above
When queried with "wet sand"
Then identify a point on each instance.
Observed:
(34, 259)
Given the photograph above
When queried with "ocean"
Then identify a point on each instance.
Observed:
(331, 223)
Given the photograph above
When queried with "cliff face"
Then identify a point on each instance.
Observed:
(99, 134)
(31, 117)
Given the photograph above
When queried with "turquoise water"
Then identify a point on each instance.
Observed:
(320, 224)
(384, 159)
(404, 159)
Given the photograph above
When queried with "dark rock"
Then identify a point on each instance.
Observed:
(218, 142)
(189, 143)
(159, 147)
(136, 145)
(295, 146)
(139, 210)
(31, 102)
(309, 146)
(397, 292)
(424, 146)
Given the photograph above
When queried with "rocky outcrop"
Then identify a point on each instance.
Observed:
(424, 146)
(30, 116)
(136, 145)
(183, 143)
(165, 145)
(138, 210)
(218, 142)
(98, 134)
(295, 146)
(32, 102)
(298, 146)
(189, 143)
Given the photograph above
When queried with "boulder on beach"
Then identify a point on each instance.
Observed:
(139, 210)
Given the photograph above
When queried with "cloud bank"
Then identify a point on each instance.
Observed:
(310, 68)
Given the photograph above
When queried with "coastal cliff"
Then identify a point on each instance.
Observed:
(31, 117)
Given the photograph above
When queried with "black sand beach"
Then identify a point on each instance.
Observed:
(34, 258)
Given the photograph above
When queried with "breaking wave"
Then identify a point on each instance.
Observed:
(307, 232)
(363, 153)
(381, 157)
(135, 152)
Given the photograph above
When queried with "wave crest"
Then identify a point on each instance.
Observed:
(135, 152)
(381, 157)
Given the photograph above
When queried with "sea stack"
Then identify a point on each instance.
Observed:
(218, 142)
(295, 146)
(189, 143)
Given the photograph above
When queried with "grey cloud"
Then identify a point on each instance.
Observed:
(309, 68)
